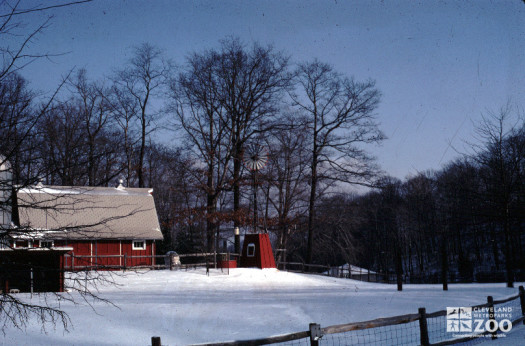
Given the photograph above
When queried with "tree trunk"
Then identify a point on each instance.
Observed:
(237, 161)
(398, 261)
(211, 209)
(444, 263)
(508, 253)
(311, 209)
(140, 168)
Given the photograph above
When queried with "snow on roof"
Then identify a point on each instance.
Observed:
(39, 249)
(70, 212)
(86, 190)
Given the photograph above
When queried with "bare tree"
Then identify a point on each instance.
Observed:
(124, 109)
(198, 111)
(94, 112)
(420, 221)
(340, 118)
(15, 58)
(142, 79)
(336, 242)
(62, 146)
(225, 98)
(19, 160)
(251, 85)
(501, 164)
(285, 179)
(17, 126)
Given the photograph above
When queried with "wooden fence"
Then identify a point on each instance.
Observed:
(412, 329)
(113, 262)
(123, 262)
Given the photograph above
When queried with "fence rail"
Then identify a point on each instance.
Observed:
(123, 262)
(410, 329)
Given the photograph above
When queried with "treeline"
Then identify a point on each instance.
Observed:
(463, 222)
(241, 136)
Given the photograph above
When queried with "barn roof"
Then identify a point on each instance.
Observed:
(70, 212)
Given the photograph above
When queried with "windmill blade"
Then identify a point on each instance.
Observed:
(255, 158)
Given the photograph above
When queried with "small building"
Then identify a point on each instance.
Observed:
(105, 227)
(32, 269)
(257, 251)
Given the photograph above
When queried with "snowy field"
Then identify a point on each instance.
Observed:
(189, 307)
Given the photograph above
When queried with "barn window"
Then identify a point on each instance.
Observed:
(139, 245)
(251, 250)
(46, 243)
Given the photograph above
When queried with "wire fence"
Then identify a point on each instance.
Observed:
(362, 274)
(388, 335)
(446, 327)
(347, 272)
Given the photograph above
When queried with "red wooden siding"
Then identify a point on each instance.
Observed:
(262, 256)
(80, 248)
(131, 260)
(100, 253)
(107, 248)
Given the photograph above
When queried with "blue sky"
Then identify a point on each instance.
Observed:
(438, 64)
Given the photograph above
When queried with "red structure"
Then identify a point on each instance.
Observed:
(100, 254)
(104, 227)
(227, 264)
(257, 251)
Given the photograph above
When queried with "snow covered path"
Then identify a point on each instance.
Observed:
(189, 307)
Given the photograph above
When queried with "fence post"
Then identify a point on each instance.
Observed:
(31, 282)
(155, 341)
(125, 261)
(315, 334)
(490, 302)
(522, 301)
(423, 328)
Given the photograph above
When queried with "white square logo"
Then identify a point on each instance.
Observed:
(459, 319)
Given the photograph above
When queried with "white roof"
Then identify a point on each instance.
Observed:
(70, 212)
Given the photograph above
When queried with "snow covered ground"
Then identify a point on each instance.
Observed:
(189, 307)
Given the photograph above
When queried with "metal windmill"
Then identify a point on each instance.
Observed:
(255, 158)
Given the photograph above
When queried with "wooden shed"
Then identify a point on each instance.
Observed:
(257, 251)
(32, 269)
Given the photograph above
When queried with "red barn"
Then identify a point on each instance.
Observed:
(106, 227)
